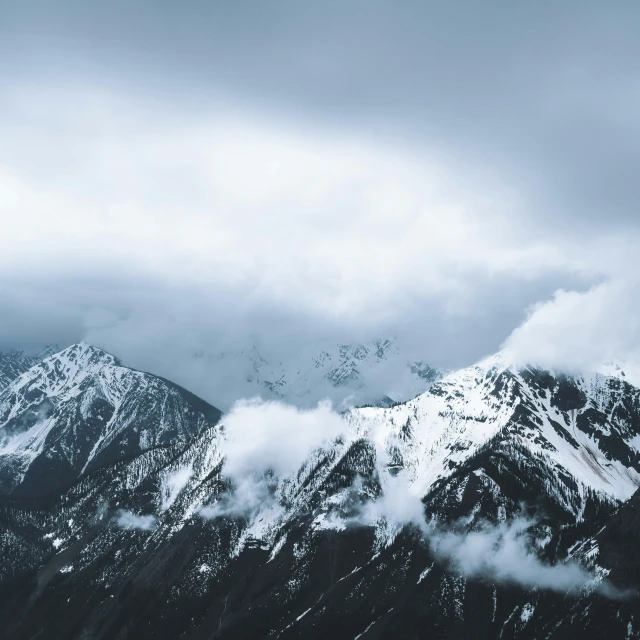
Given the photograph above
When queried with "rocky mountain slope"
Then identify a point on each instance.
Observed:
(500, 503)
(79, 409)
(14, 363)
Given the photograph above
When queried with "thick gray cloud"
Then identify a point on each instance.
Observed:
(181, 176)
(544, 92)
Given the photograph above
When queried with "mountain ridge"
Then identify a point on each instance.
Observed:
(164, 544)
(78, 407)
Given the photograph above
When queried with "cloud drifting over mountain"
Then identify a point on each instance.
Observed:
(273, 436)
(502, 553)
(267, 442)
(129, 520)
(580, 331)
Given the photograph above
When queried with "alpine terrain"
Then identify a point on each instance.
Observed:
(376, 372)
(13, 363)
(501, 502)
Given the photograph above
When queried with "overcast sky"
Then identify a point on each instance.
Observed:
(179, 176)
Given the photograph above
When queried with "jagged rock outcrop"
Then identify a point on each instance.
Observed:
(79, 409)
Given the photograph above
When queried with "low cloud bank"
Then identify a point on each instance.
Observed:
(173, 484)
(581, 331)
(266, 441)
(248, 496)
(130, 521)
(269, 441)
(504, 553)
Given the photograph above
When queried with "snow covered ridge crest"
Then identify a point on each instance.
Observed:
(580, 434)
(586, 427)
(80, 408)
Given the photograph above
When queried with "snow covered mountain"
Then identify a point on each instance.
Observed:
(585, 428)
(348, 374)
(499, 503)
(13, 363)
(79, 409)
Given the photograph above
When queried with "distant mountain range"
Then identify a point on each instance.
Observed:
(500, 502)
(354, 374)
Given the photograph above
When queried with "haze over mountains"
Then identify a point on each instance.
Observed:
(498, 503)
(347, 374)
(348, 303)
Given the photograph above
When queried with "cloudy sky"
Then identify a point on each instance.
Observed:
(184, 176)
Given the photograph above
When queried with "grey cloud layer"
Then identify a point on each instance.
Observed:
(427, 170)
(543, 92)
(157, 238)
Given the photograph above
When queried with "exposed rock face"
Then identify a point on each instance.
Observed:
(80, 409)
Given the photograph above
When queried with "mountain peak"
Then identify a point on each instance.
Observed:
(61, 372)
(80, 408)
(84, 353)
